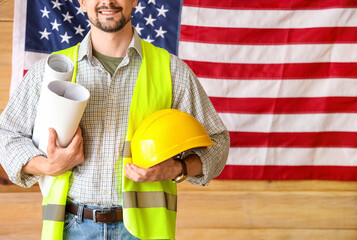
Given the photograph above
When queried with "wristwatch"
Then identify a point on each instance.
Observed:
(182, 177)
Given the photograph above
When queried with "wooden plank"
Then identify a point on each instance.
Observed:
(20, 216)
(226, 185)
(21, 219)
(11, 188)
(5, 79)
(6, 10)
(303, 185)
(5, 62)
(297, 210)
(5, 43)
(219, 185)
(266, 234)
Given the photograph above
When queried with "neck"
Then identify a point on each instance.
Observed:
(112, 44)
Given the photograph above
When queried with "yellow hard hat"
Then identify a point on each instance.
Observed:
(164, 134)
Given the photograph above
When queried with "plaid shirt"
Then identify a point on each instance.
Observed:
(98, 180)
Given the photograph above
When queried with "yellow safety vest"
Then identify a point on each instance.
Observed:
(149, 209)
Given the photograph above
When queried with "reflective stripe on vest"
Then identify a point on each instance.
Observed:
(53, 208)
(149, 209)
(53, 212)
(150, 200)
(127, 150)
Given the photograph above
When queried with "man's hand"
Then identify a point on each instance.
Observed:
(59, 160)
(166, 170)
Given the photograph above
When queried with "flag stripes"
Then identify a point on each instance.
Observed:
(341, 173)
(285, 105)
(224, 53)
(283, 77)
(269, 88)
(340, 122)
(250, 36)
(231, 18)
(246, 71)
(271, 4)
(294, 139)
(251, 156)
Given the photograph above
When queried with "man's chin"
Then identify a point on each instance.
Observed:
(112, 29)
(110, 24)
(109, 27)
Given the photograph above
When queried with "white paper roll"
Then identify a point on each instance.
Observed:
(64, 107)
(61, 107)
(58, 67)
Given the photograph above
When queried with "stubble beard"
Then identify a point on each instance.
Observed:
(111, 27)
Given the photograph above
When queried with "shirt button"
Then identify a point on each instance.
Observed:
(110, 127)
(105, 192)
(112, 97)
(108, 160)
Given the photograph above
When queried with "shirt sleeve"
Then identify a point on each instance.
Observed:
(16, 125)
(190, 97)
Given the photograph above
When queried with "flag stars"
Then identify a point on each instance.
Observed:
(67, 17)
(56, 5)
(150, 20)
(45, 12)
(139, 8)
(138, 28)
(88, 23)
(55, 25)
(162, 11)
(79, 30)
(152, 1)
(65, 38)
(44, 34)
(160, 32)
(79, 11)
(148, 39)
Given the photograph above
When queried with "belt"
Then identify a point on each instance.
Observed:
(97, 215)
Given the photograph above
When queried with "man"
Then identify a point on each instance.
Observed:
(109, 62)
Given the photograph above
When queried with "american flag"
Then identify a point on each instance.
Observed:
(281, 74)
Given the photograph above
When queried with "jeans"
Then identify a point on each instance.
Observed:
(78, 228)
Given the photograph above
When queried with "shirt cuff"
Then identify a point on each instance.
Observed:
(202, 180)
(16, 175)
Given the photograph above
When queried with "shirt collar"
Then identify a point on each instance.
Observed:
(136, 43)
(85, 48)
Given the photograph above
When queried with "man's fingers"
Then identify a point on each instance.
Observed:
(129, 172)
(52, 138)
(133, 172)
(77, 139)
(139, 174)
(139, 170)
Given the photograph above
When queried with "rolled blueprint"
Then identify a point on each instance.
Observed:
(61, 107)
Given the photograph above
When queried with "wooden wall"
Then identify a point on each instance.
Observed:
(245, 210)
